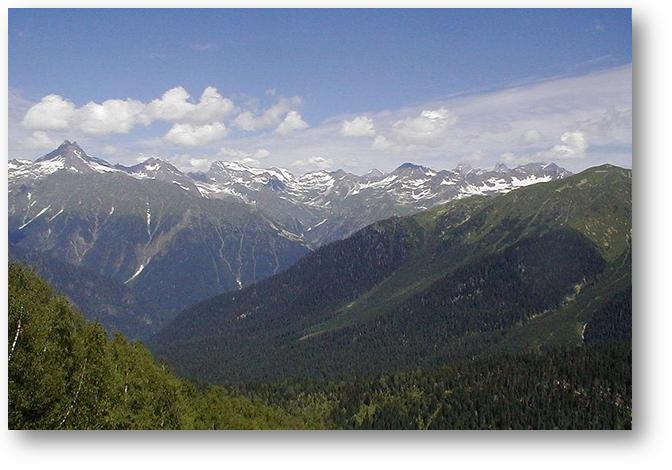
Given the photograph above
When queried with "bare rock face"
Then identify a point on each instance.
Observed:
(172, 239)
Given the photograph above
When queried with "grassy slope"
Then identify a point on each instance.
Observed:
(581, 202)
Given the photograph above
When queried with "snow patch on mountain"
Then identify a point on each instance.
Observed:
(35, 217)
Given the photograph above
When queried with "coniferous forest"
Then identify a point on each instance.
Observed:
(67, 373)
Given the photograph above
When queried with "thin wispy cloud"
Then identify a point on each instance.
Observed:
(203, 46)
(575, 121)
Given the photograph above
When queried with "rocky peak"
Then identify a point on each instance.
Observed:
(66, 150)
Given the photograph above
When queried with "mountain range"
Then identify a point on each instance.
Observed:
(145, 231)
(134, 245)
(547, 265)
(325, 206)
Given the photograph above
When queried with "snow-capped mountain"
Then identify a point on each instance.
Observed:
(318, 207)
(174, 238)
(324, 206)
(146, 229)
(160, 170)
(67, 157)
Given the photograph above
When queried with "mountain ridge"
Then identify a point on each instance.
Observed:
(347, 201)
(177, 238)
(480, 243)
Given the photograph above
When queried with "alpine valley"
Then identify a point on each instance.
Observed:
(416, 299)
(133, 246)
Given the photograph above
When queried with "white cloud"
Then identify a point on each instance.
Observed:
(381, 143)
(116, 116)
(174, 106)
(211, 107)
(40, 140)
(574, 144)
(192, 135)
(427, 129)
(51, 113)
(249, 121)
(293, 122)
(525, 123)
(320, 163)
(531, 136)
(512, 159)
(261, 153)
(241, 155)
(198, 164)
(473, 156)
(110, 117)
(109, 150)
(360, 126)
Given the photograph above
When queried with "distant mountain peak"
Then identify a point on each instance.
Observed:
(155, 164)
(463, 168)
(413, 169)
(409, 166)
(67, 150)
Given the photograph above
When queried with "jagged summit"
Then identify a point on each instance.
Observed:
(321, 205)
(160, 170)
(463, 168)
(66, 150)
(409, 166)
(154, 164)
(500, 168)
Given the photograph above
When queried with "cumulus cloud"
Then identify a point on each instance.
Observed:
(427, 129)
(242, 156)
(110, 117)
(53, 112)
(574, 144)
(174, 106)
(271, 117)
(437, 133)
(292, 122)
(360, 126)
(117, 116)
(320, 163)
(193, 135)
(40, 140)
(513, 159)
(381, 143)
(196, 164)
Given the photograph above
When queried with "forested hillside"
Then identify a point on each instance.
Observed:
(578, 388)
(64, 373)
(477, 276)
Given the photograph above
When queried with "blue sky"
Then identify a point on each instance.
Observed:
(310, 89)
